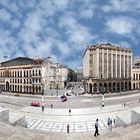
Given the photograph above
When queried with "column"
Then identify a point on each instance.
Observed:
(107, 64)
(124, 65)
(127, 66)
(120, 65)
(97, 63)
(116, 64)
(111, 64)
(102, 64)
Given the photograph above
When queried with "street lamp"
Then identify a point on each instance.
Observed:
(103, 98)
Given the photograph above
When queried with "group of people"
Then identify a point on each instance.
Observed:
(43, 107)
(109, 123)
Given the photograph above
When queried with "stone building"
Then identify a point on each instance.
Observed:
(54, 75)
(137, 60)
(107, 68)
(79, 73)
(136, 77)
(17, 75)
(25, 75)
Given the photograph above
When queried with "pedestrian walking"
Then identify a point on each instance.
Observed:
(114, 121)
(69, 111)
(51, 105)
(42, 108)
(124, 104)
(96, 128)
(68, 127)
(109, 123)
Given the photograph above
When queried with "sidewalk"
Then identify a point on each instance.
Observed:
(84, 95)
(74, 112)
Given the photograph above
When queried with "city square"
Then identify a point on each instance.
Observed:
(69, 69)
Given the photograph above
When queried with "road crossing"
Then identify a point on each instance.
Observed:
(54, 126)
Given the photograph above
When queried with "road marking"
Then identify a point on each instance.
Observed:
(52, 126)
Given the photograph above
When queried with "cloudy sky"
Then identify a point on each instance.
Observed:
(63, 28)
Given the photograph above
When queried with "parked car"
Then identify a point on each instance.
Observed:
(35, 104)
(63, 98)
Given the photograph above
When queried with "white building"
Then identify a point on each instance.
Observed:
(54, 75)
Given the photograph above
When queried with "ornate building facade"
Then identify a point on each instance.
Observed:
(136, 77)
(107, 68)
(54, 75)
(17, 75)
(25, 75)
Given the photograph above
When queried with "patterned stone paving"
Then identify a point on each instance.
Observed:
(52, 126)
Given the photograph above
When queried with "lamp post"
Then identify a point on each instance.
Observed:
(103, 98)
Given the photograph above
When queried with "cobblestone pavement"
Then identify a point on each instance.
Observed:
(53, 126)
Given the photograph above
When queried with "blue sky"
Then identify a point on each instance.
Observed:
(63, 28)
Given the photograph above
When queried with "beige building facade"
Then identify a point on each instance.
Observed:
(136, 77)
(25, 75)
(137, 60)
(18, 75)
(107, 68)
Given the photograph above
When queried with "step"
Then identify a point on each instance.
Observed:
(4, 114)
(17, 119)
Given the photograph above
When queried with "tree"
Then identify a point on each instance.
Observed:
(71, 75)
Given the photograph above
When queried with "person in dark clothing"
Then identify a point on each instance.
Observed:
(42, 108)
(51, 105)
(68, 128)
(69, 111)
(96, 128)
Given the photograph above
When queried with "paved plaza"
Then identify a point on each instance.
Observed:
(53, 126)
(80, 120)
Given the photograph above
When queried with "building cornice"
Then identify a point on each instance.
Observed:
(107, 46)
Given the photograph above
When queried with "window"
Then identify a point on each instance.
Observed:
(39, 72)
(100, 65)
(36, 72)
(114, 66)
(133, 76)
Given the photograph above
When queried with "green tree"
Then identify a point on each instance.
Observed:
(71, 75)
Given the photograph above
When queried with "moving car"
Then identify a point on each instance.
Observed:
(63, 98)
(35, 104)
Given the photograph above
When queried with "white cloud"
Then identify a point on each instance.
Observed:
(61, 4)
(15, 23)
(122, 5)
(86, 13)
(125, 44)
(87, 9)
(78, 34)
(5, 15)
(121, 25)
(8, 44)
(64, 49)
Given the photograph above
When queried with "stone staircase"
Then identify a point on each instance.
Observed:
(12, 117)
